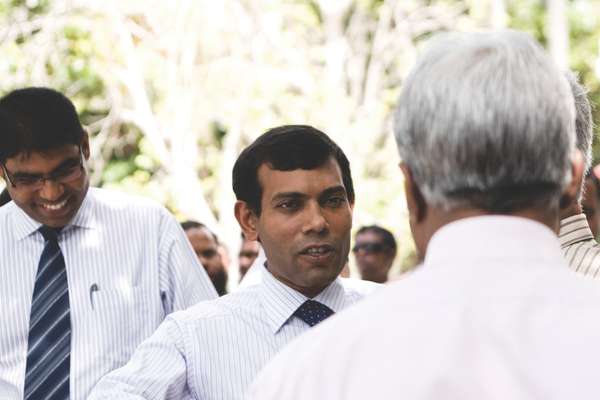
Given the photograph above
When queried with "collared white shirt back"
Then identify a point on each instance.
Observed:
(493, 313)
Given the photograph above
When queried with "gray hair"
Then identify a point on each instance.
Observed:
(584, 127)
(486, 120)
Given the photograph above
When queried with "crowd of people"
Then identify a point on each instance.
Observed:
(107, 296)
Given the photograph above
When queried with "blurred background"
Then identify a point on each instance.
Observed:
(171, 91)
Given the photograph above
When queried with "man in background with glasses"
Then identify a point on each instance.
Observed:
(374, 251)
(85, 274)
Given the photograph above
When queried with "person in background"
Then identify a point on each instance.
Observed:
(374, 252)
(590, 202)
(485, 128)
(86, 274)
(206, 246)
(249, 250)
(295, 195)
(575, 234)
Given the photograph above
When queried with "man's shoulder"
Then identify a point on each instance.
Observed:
(116, 201)
(126, 209)
(231, 306)
(7, 209)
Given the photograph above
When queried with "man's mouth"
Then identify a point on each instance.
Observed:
(317, 250)
(54, 206)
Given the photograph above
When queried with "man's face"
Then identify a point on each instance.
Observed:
(206, 248)
(372, 256)
(305, 225)
(247, 255)
(589, 202)
(54, 203)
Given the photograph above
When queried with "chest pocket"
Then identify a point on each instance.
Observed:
(118, 319)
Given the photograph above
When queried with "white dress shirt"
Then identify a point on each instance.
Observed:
(128, 264)
(580, 248)
(493, 313)
(214, 349)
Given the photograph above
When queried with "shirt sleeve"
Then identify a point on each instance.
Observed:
(157, 370)
(183, 280)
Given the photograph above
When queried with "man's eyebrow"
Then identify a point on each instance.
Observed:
(333, 190)
(63, 164)
(288, 195)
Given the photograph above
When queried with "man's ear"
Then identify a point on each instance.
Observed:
(85, 145)
(571, 192)
(417, 207)
(247, 219)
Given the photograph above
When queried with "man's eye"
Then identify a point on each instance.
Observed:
(335, 201)
(289, 204)
(26, 179)
(65, 171)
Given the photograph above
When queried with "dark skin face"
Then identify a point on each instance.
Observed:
(373, 265)
(247, 255)
(304, 226)
(589, 203)
(206, 249)
(55, 203)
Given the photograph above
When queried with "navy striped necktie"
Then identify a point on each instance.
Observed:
(49, 344)
(312, 312)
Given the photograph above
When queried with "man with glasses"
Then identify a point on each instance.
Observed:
(85, 274)
(374, 251)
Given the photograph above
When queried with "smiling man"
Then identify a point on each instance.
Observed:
(85, 274)
(295, 196)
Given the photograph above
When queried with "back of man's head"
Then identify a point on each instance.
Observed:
(286, 148)
(486, 121)
(36, 119)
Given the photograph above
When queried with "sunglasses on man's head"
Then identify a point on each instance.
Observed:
(369, 247)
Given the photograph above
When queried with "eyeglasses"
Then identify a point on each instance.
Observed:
(65, 173)
(369, 247)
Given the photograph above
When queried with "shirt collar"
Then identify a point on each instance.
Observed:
(493, 237)
(24, 225)
(281, 301)
(574, 229)
(86, 216)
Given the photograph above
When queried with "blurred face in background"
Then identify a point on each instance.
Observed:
(207, 250)
(589, 203)
(247, 255)
(373, 257)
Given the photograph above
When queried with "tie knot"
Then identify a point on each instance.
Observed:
(49, 233)
(312, 312)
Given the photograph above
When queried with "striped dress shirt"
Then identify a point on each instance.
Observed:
(214, 349)
(579, 246)
(128, 265)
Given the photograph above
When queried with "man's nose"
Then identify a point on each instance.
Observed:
(315, 220)
(51, 190)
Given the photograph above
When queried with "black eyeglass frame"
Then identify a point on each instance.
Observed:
(42, 178)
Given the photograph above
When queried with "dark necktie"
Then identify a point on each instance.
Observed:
(312, 312)
(49, 343)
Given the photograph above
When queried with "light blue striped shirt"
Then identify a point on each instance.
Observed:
(128, 264)
(214, 349)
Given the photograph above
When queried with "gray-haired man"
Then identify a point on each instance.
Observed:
(485, 129)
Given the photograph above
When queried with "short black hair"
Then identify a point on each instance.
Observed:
(286, 148)
(189, 224)
(4, 197)
(386, 236)
(37, 119)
